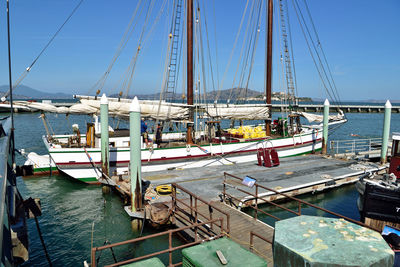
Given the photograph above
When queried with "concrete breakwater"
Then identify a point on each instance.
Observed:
(345, 108)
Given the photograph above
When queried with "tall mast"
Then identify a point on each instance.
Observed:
(189, 68)
(269, 67)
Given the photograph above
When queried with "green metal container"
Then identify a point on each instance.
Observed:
(205, 255)
(152, 262)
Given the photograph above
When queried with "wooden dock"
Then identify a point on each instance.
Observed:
(241, 224)
(245, 230)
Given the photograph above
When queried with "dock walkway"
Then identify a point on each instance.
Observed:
(237, 225)
(242, 224)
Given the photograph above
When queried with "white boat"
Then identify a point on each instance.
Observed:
(37, 164)
(84, 163)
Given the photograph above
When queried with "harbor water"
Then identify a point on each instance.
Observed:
(78, 216)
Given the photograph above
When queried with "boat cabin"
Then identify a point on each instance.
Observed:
(395, 160)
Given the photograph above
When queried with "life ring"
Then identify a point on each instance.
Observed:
(164, 189)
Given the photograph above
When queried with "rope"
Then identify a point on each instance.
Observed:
(25, 73)
(323, 53)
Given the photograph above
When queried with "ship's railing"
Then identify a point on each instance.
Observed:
(257, 197)
(355, 146)
(190, 208)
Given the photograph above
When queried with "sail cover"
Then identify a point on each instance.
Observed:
(319, 118)
(149, 109)
(237, 112)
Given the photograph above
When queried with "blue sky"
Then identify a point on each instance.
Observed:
(360, 38)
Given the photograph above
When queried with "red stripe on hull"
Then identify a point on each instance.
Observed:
(185, 157)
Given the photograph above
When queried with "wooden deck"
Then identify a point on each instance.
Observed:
(241, 224)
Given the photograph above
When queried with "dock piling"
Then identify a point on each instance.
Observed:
(325, 127)
(105, 149)
(386, 130)
(135, 155)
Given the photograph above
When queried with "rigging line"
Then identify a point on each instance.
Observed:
(124, 40)
(202, 54)
(249, 50)
(312, 55)
(291, 47)
(233, 49)
(216, 41)
(156, 20)
(316, 51)
(209, 51)
(320, 46)
(242, 48)
(134, 59)
(164, 80)
(250, 47)
(254, 47)
(25, 73)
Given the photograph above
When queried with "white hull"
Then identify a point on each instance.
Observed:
(75, 161)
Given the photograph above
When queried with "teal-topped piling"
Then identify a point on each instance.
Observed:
(135, 164)
(105, 148)
(386, 130)
(325, 127)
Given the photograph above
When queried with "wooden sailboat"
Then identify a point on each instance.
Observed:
(79, 156)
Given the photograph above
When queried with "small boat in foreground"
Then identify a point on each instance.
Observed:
(379, 200)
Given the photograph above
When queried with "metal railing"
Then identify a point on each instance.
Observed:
(257, 196)
(205, 226)
(252, 235)
(186, 208)
(170, 249)
(355, 146)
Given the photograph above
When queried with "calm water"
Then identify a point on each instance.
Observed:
(70, 208)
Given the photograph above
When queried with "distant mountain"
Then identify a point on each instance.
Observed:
(222, 95)
(26, 92)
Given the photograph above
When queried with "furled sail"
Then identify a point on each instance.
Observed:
(237, 112)
(149, 109)
(319, 118)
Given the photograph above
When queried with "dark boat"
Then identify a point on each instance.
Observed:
(379, 200)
